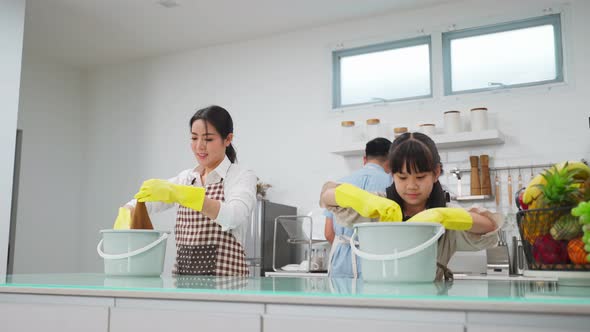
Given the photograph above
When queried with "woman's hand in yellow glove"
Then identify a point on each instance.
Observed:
(451, 218)
(156, 190)
(366, 204)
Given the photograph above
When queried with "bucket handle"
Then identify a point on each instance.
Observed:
(135, 252)
(398, 255)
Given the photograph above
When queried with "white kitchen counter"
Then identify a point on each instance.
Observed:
(290, 304)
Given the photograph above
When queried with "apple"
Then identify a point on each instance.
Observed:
(519, 203)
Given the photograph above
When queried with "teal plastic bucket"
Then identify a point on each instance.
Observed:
(133, 252)
(397, 251)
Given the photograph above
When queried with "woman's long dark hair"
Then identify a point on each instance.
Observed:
(220, 119)
(418, 153)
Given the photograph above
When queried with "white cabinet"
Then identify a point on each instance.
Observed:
(163, 315)
(53, 313)
(514, 328)
(315, 324)
(294, 318)
(217, 312)
(154, 320)
(490, 322)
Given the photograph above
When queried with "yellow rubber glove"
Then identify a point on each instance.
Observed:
(156, 190)
(451, 218)
(367, 204)
(123, 220)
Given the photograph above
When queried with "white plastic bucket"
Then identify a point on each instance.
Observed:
(397, 251)
(133, 252)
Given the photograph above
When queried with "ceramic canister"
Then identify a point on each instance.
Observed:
(428, 129)
(452, 122)
(479, 119)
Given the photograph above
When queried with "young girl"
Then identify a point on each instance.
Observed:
(415, 195)
(214, 200)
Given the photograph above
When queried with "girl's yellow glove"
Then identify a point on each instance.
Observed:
(156, 190)
(451, 218)
(367, 204)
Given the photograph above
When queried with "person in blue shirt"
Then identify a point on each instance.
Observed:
(374, 177)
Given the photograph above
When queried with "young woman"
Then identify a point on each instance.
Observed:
(415, 195)
(214, 200)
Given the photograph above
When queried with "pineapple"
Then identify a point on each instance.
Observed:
(561, 187)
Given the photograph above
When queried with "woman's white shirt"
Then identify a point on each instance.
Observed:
(239, 188)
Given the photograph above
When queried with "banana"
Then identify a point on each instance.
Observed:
(533, 190)
(583, 171)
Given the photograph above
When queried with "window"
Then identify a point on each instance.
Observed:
(385, 72)
(515, 54)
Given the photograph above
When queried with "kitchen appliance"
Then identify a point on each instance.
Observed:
(304, 237)
(518, 261)
(498, 261)
(258, 242)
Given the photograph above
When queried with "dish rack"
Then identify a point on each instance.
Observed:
(293, 225)
(543, 253)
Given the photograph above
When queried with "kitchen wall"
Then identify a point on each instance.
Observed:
(12, 18)
(278, 90)
(52, 171)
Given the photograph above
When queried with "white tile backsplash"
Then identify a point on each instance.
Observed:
(458, 157)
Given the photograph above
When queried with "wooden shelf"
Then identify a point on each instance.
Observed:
(469, 138)
(473, 198)
(444, 141)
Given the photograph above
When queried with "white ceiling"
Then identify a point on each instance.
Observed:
(92, 32)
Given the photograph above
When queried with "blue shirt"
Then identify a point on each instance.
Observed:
(373, 178)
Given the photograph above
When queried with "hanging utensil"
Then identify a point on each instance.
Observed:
(497, 190)
(519, 180)
(509, 191)
(457, 173)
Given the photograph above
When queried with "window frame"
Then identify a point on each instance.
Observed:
(553, 19)
(339, 54)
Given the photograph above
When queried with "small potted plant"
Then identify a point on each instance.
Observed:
(261, 189)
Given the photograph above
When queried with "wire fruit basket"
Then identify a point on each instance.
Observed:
(543, 251)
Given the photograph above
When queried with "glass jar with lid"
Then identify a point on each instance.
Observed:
(373, 129)
(349, 132)
(398, 131)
